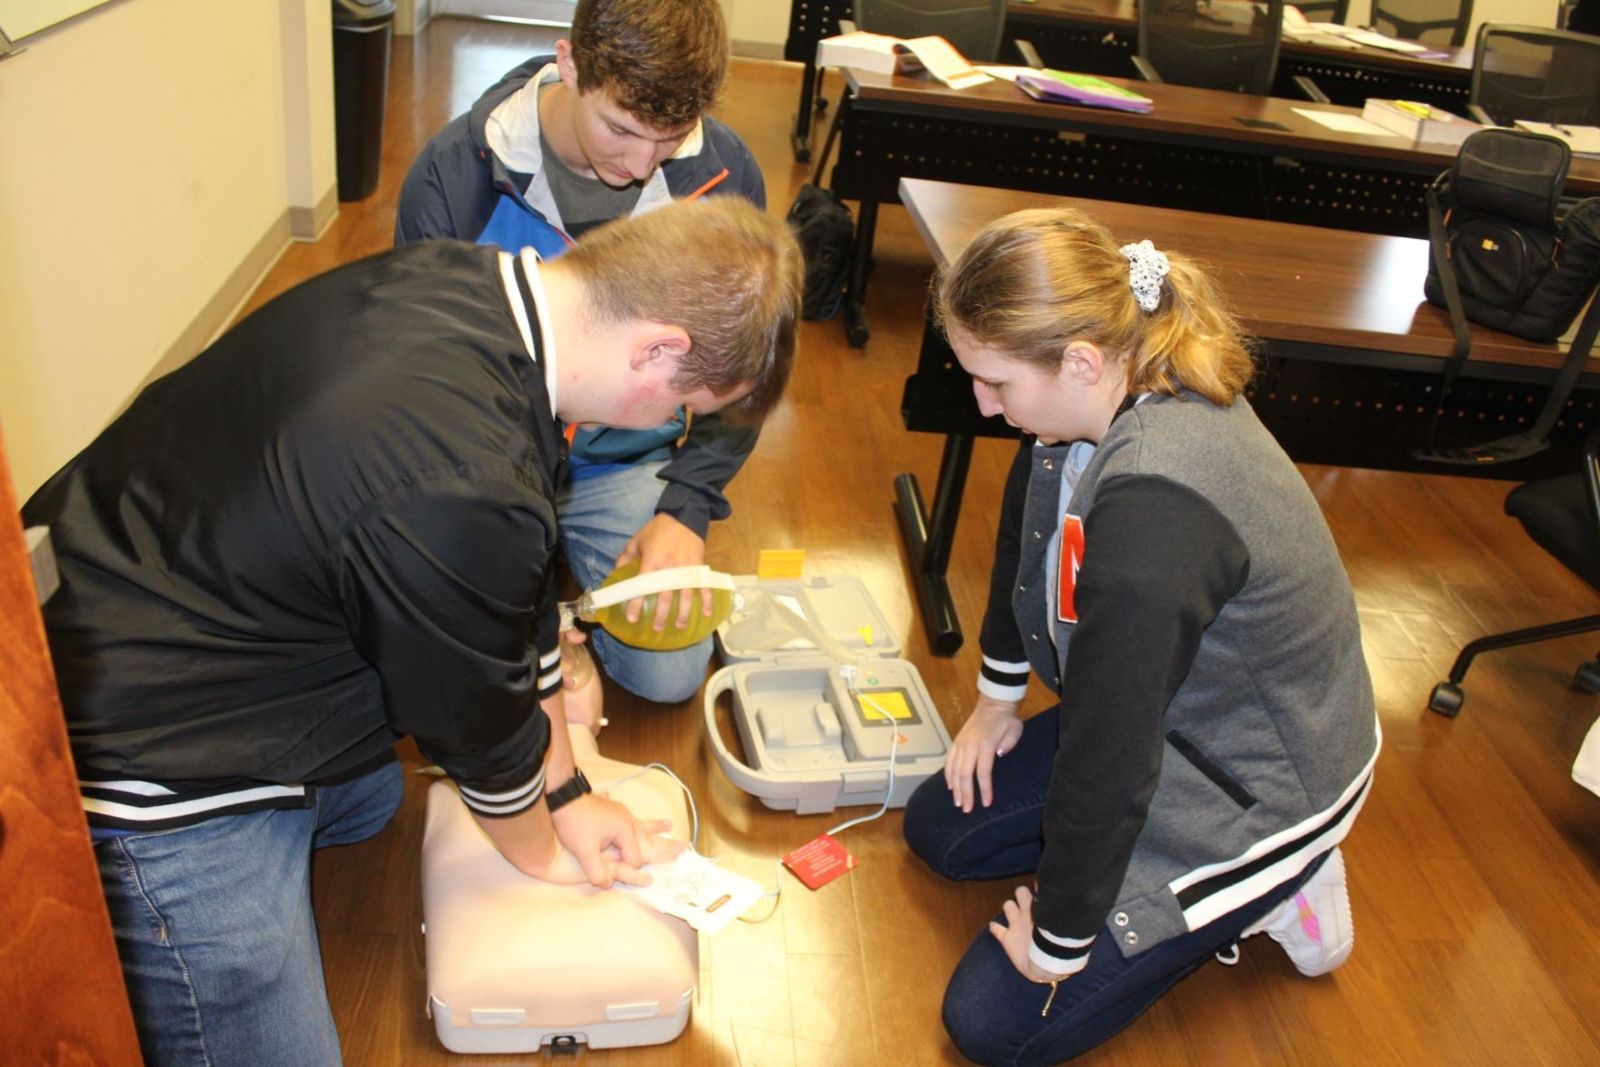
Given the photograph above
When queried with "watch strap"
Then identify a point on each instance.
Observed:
(567, 792)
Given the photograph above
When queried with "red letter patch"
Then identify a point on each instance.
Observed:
(1071, 560)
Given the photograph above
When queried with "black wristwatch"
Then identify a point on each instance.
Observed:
(572, 789)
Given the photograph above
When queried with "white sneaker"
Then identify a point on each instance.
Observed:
(1314, 926)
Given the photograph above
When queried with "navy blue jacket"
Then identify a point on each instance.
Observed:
(458, 187)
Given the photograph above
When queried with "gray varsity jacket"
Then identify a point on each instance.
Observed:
(1218, 730)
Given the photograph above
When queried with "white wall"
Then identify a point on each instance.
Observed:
(311, 163)
(151, 152)
(757, 28)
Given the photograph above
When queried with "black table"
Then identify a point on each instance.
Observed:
(1226, 153)
(809, 22)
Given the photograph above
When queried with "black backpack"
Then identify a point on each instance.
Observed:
(823, 226)
(1504, 254)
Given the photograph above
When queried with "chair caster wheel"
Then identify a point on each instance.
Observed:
(1588, 677)
(1446, 699)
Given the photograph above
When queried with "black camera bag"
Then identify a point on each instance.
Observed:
(1504, 254)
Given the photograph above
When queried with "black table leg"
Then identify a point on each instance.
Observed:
(928, 544)
(855, 294)
(800, 139)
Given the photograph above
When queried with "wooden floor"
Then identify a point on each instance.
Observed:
(1473, 871)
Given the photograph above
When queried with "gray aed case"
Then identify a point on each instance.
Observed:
(818, 735)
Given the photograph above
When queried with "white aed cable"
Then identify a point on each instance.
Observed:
(848, 674)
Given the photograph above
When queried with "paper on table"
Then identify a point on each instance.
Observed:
(1584, 140)
(1378, 40)
(1003, 72)
(1319, 37)
(1297, 27)
(1343, 123)
(944, 62)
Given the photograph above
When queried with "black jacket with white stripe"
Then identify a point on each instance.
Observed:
(330, 529)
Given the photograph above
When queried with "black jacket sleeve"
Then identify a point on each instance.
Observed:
(445, 593)
(1004, 674)
(701, 468)
(1159, 563)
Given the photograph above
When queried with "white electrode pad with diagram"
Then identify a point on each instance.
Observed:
(821, 699)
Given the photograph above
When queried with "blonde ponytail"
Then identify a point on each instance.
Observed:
(1035, 281)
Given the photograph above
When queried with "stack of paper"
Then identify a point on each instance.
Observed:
(874, 52)
(1425, 124)
(892, 55)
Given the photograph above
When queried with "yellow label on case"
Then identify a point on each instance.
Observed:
(884, 704)
(780, 563)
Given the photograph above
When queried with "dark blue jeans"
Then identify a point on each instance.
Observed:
(993, 1013)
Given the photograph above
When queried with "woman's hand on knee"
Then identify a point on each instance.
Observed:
(991, 731)
(1016, 936)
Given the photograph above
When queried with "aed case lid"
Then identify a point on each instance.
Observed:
(839, 604)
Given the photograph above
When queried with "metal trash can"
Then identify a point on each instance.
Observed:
(362, 31)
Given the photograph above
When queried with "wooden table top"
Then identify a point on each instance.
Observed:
(1123, 15)
(1182, 115)
(1284, 281)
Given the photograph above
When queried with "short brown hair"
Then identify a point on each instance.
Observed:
(722, 269)
(663, 61)
(1034, 281)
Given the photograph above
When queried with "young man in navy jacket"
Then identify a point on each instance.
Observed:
(333, 528)
(612, 125)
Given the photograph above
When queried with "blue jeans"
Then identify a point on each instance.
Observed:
(214, 928)
(992, 1013)
(598, 517)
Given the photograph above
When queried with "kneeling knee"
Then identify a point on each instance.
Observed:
(927, 825)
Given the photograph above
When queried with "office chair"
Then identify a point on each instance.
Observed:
(1528, 72)
(1562, 515)
(1220, 45)
(1416, 20)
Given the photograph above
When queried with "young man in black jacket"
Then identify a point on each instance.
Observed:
(333, 528)
(614, 124)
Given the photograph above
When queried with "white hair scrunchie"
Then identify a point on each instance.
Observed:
(1147, 269)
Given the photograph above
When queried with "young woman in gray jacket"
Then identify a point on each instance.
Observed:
(1163, 568)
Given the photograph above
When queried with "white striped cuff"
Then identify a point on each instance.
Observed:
(549, 671)
(509, 802)
(1074, 959)
(1000, 680)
